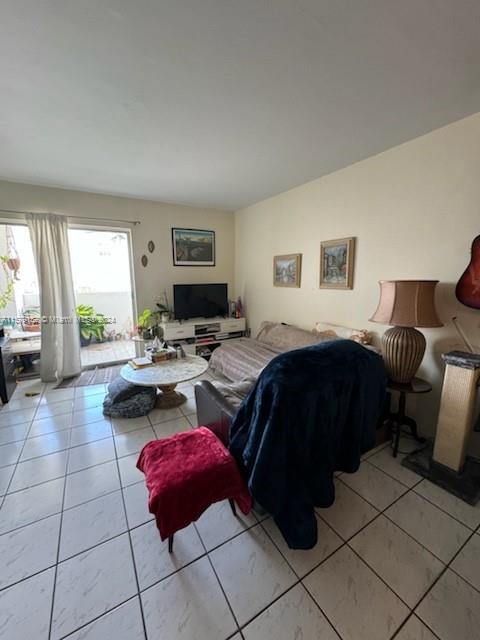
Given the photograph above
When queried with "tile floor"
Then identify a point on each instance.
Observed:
(80, 556)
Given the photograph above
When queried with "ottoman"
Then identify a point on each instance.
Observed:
(185, 474)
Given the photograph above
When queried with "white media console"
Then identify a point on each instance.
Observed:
(200, 336)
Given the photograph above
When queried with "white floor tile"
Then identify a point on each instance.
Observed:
(90, 454)
(28, 550)
(91, 432)
(38, 470)
(303, 561)
(374, 485)
(58, 395)
(90, 390)
(43, 445)
(24, 507)
(452, 609)
(91, 584)
(467, 562)
(88, 402)
(349, 513)
(48, 425)
(25, 608)
(92, 523)
(295, 616)
(123, 623)
(407, 567)
(193, 420)
(9, 418)
(54, 409)
(188, 407)
(188, 606)
(371, 452)
(14, 433)
(124, 425)
(9, 453)
(393, 467)
(136, 504)
(252, 572)
(133, 441)
(357, 603)
(434, 529)
(87, 416)
(91, 483)
(17, 401)
(414, 629)
(459, 509)
(129, 474)
(169, 427)
(5, 476)
(152, 559)
(218, 524)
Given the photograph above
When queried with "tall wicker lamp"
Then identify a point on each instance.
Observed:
(406, 304)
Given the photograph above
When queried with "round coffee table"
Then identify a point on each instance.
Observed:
(166, 375)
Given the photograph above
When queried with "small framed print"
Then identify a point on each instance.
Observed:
(193, 248)
(287, 270)
(336, 263)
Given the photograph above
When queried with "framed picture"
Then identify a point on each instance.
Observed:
(193, 247)
(336, 263)
(287, 270)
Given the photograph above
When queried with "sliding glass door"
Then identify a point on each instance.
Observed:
(102, 279)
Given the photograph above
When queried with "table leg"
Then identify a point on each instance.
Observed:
(168, 398)
(397, 420)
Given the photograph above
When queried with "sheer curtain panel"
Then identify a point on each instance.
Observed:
(60, 353)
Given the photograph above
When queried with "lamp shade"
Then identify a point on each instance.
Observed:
(407, 303)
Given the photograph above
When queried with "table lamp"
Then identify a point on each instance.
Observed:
(406, 304)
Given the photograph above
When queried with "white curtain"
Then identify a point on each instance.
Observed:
(60, 354)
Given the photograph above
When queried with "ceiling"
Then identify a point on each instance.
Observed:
(224, 102)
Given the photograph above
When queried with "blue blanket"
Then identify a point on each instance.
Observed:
(312, 411)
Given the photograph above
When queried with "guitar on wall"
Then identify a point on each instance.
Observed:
(468, 287)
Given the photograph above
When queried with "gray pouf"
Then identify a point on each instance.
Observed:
(126, 400)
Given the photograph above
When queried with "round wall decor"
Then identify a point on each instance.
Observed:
(151, 246)
(144, 260)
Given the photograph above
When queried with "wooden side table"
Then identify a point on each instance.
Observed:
(399, 418)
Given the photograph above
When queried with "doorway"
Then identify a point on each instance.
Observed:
(103, 286)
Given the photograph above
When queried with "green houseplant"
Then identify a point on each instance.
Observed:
(6, 296)
(147, 324)
(91, 324)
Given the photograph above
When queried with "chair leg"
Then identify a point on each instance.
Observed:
(232, 507)
(170, 544)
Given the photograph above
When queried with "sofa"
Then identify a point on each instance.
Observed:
(237, 363)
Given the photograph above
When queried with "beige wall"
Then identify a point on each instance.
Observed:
(414, 210)
(156, 220)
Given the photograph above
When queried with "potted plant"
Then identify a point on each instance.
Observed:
(163, 308)
(91, 324)
(147, 324)
(6, 296)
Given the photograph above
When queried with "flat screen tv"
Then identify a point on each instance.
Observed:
(200, 300)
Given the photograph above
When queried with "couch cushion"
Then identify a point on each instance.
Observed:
(286, 337)
(363, 336)
(236, 392)
(241, 359)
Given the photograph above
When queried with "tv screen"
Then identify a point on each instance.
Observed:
(200, 300)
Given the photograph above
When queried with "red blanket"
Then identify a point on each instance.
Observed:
(185, 474)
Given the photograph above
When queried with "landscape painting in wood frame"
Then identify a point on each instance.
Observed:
(287, 270)
(193, 247)
(336, 263)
